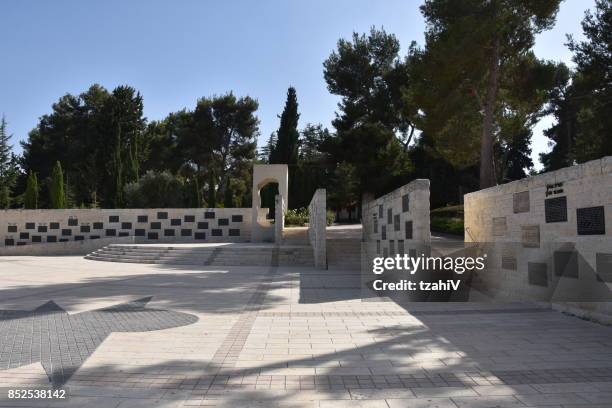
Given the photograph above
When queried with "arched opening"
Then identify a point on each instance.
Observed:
(267, 194)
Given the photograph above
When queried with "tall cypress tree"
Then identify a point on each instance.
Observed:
(286, 149)
(7, 166)
(30, 197)
(57, 196)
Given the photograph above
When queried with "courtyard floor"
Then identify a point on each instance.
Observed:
(130, 335)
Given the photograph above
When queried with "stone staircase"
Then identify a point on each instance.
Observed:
(344, 254)
(212, 255)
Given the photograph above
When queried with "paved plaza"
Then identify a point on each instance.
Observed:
(133, 335)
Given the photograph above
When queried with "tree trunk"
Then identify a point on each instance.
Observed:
(487, 175)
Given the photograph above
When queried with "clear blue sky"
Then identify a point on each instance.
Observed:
(174, 52)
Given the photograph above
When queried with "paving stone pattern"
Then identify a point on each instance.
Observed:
(62, 342)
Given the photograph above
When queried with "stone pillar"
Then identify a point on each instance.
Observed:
(279, 219)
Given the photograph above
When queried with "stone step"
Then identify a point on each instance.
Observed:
(222, 255)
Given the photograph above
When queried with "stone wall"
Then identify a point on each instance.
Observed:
(550, 237)
(317, 224)
(398, 222)
(32, 227)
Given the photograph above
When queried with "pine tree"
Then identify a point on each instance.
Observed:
(30, 197)
(57, 196)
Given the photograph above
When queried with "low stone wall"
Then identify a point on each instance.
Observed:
(317, 224)
(398, 222)
(64, 248)
(548, 237)
(32, 227)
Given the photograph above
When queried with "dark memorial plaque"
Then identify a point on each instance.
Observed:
(530, 236)
(566, 264)
(396, 222)
(405, 203)
(389, 216)
(383, 232)
(508, 262)
(380, 211)
(400, 246)
(375, 224)
(591, 221)
(408, 231)
(521, 202)
(499, 226)
(555, 209)
(538, 274)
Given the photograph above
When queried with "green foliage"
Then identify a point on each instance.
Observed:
(447, 225)
(57, 193)
(475, 68)
(296, 217)
(30, 197)
(330, 217)
(98, 136)
(156, 190)
(8, 166)
(373, 120)
(285, 151)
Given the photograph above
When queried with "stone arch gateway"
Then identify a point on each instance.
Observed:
(264, 174)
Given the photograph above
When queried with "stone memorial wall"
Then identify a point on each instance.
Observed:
(31, 227)
(550, 237)
(398, 222)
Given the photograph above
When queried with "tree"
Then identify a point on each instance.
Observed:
(470, 47)
(57, 194)
(373, 125)
(8, 168)
(287, 137)
(593, 84)
(30, 198)
(156, 190)
(99, 138)
(219, 139)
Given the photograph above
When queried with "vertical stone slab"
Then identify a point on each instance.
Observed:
(317, 224)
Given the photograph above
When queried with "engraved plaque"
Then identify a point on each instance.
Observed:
(234, 232)
(175, 222)
(383, 232)
(378, 246)
(508, 262)
(521, 202)
(405, 203)
(113, 218)
(222, 222)
(396, 222)
(189, 218)
(380, 211)
(499, 226)
(139, 232)
(209, 215)
(555, 209)
(168, 232)
(537, 274)
(591, 221)
(162, 215)
(73, 222)
(143, 218)
(530, 236)
(566, 264)
(375, 224)
(400, 246)
(391, 247)
(236, 218)
(217, 232)
(408, 225)
(389, 216)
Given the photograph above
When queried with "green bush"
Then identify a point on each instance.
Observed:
(331, 217)
(297, 217)
(447, 225)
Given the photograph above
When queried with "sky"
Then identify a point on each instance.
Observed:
(175, 52)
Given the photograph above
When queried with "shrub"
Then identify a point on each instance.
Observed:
(447, 225)
(155, 190)
(297, 217)
(331, 217)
